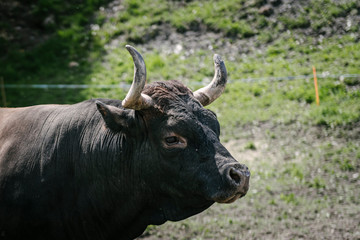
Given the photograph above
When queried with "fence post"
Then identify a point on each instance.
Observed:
(3, 91)
(316, 87)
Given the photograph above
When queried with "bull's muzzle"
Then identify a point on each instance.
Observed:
(236, 183)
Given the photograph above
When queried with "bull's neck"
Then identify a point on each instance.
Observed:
(108, 163)
(107, 155)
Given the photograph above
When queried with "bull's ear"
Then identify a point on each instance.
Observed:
(115, 118)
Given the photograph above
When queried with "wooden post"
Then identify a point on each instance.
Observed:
(316, 87)
(3, 91)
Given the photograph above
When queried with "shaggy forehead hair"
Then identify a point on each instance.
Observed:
(166, 94)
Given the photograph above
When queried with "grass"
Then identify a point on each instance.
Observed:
(284, 101)
(72, 40)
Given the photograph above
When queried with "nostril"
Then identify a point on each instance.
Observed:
(235, 175)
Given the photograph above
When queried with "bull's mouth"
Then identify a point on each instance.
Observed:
(230, 199)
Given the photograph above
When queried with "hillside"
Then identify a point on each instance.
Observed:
(78, 43)
(304, 158)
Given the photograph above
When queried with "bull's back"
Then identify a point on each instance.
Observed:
(13, 134)
(41, 140)
(20, 133)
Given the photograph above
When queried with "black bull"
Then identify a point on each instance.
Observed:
(105, 169)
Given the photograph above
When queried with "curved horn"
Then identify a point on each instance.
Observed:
(134, 98)
(211, 92)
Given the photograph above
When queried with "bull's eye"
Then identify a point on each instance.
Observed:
(171, 140)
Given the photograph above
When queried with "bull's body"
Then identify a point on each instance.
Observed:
(101, 170)
(58, 166)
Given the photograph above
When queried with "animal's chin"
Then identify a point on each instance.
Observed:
(230, 199)
(176, 211)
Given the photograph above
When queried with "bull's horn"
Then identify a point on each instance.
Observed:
(211, 92)
(134, 98)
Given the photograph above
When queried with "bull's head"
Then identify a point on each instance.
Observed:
(182, 164)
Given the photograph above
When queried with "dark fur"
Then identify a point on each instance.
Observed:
(166, 93)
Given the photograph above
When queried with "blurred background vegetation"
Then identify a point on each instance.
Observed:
(82, 42)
